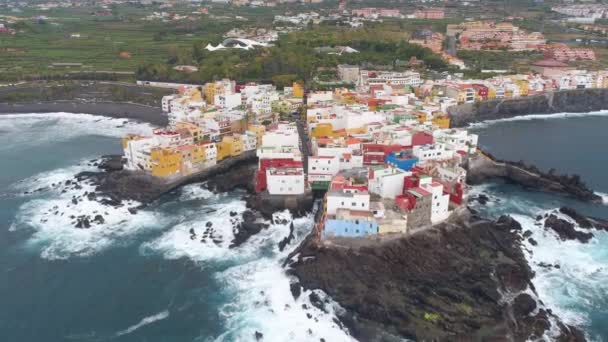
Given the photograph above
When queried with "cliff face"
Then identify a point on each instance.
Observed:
(461, 281)
(573, 101)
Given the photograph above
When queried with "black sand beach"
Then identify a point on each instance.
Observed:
(139, 112)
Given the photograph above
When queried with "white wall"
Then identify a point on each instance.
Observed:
(285, 184)
(339, 200)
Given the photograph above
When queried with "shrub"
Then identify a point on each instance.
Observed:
(432, 317)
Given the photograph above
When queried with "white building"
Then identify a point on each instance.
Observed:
(344, 199)
(281, 139)
(456, 139)
(431, 152)
(440, 201)
(227, 101)
(261, 103)
(210, 154)
(369, 77)
(320, 96)
(285, 181)
(323, 167)
(137, 153)
(249, 141)
(387, 182)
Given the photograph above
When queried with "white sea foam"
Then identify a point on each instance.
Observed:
(577, 287)
(539, 117)
(34, 129)
(604, 197)
(258, 286)
(144, 321)
(178, 242)
(263, 301)
(195, 192)
(52, 213)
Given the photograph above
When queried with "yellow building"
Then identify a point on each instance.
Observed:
(491, 93)
(298, 90)
(165, 162)
(259, 131)
(323, 130)
(223, 150)
(524, 87)
(234, 144)
(441, 120)
(212, 89)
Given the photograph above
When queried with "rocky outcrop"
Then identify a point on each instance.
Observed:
(570, 101)
(584, 221)
(565, 230)
(443, 284)
(117, 185)
(250, 226)
(484, 166)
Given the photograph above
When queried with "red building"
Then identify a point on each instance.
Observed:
(481, 90)
(261, 182)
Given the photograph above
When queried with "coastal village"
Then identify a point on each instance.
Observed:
(383, 153)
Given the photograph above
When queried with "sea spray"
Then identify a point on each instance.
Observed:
(144, 321)
(57, 208)
(263, 301)
(565, 115)
(569, 275)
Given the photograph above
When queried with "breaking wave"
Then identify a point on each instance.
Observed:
(56, 203)
(487, 123)
(34, 129)
(144, 321)
(570, 277)
(262, 301)
(604, 197)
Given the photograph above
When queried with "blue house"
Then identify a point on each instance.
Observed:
(401, 160)
(350, 228)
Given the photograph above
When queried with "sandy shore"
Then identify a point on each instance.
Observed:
(152, 115)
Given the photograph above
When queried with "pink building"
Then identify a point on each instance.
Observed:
(430, 13)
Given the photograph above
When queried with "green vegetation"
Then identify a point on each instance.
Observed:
(294, 57)
(465, 308)
(497, 60)
(432, 317)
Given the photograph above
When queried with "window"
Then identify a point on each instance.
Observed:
(362, 204)
(354, 204)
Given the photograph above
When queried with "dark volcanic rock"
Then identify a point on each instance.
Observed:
(99, 219)
(571, 101)
(111, 163)
(268, 204)
(483, 167)
(295, 289)
(578, 218)
(142, 187)
(482, 199)
(397, 287)
(247, 228)
(287, 240)
(565, 230)
(523, 305)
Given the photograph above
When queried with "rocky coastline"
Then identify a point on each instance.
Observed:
(565, 101)
(474, 285)
(484, 167)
